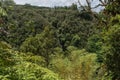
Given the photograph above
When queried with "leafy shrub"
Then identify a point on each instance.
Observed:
(15, 67)
(30, 71)
(30, 57)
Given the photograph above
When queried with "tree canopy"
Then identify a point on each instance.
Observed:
(60, 43)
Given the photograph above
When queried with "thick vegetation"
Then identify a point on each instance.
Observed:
(60, 43)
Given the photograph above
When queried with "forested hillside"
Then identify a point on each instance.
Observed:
(59, 43)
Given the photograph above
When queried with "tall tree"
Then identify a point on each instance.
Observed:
(42, 44)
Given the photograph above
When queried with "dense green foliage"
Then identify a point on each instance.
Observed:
(112, 47)
(70, 26)
(15, 67)
(60, 43)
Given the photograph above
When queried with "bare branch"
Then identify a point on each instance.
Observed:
(103, 2)
(81, 5)
(89, 7)
(88, 4)
(97, 6)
